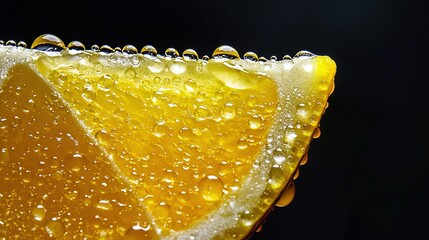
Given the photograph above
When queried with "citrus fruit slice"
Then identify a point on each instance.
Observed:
(115, 143)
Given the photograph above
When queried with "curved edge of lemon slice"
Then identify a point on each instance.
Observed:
(304, 84)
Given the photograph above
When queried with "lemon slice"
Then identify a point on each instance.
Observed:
(111, 143)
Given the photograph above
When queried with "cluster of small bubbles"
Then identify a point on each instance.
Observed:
(149, 50)
(129, 49)
(76, 45)
(190, 54)
(106, 49)
(225, 52)
(95, 48)
(304, 54)
(250, 56)
(48, 42)
(171, 52)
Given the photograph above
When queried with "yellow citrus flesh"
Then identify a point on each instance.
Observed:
(129, 145)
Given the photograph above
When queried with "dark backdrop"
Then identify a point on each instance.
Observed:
(367, 177)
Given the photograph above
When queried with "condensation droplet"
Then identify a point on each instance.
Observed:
(255, 122)
(226, 52)
(129, 49)
(171, 52)
(190, 54)
(76, 45)
(317, 133)
(250, 56)
(228, 111)
(55, 228)
(75, 161)
(106, 82)
(149, 50)
(190, 85)
(287, 196)
(160, 129)
(48, 42)
(106, 49)
(211, 188)
(39, 212)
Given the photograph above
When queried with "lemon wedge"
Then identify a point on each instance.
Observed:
(113, 143)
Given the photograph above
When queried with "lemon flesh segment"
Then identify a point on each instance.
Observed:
(193, 149)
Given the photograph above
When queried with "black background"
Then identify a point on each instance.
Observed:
(367, 176)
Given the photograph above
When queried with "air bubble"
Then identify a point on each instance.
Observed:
(211, 188)
(171, 52)
(149, 50)
(129, 49)
(48, 42)
(130, 73)
(250, 56)
(228, 111)
(55, 228)
(190, 54)
(76, 45)
(106, 49)
(225, 51)
(39, 212)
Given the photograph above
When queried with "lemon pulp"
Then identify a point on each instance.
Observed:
(109, 145)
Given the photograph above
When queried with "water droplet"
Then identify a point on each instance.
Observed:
(190, 54)
(104, 205)
(162, 211)
(22, 44)
(171, 52)
(201, 113)
(287, 58)
(103, 137)
(185, 133)
(276, 177)
(205, 58)
(211, 188)
(76, 45)
(130, 73)
(139, 232)
(255, 122)
(106, 82)
(4, 155)
(262, 59)
(219, 94)
(95, 48)
(296, 175)
(129, 49)
(228, 111)
(75, 161)
(304, 54)
(48, 42)
(250, 56)
(55, 228)
(89, 94)
(304, 159)
(279, 156)
(290, 136)
(106, 49)
(1, 42)
(242, 144)
(317, 133)
(251, 100)
(287, 196)
(301, 111)
(149, 50)
(11, 43)
(28, 105)
(39, 212)
(225, 51)
(178, 67)
(190, 85)
(160, 129)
